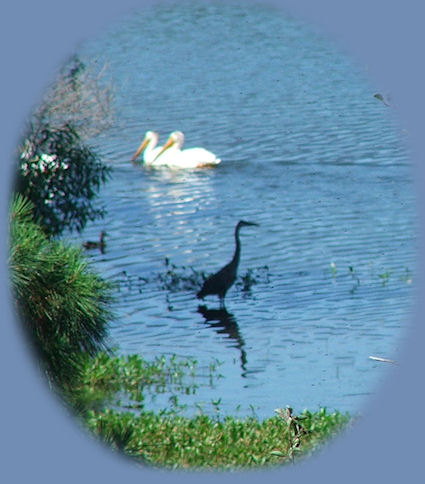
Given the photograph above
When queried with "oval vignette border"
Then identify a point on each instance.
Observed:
(38, 439)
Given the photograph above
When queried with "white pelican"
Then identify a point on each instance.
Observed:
(148, 148)
(172, 155)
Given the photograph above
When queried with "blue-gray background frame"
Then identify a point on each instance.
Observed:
(39, 442)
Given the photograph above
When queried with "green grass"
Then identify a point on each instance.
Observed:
(110, 400)
(202, 442)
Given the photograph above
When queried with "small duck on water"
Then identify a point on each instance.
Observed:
(100, 244)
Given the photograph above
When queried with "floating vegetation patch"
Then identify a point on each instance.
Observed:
(345, 278)
(370, 276)
(130, 382)
(130, 282)
(252, 277)
(185, 278)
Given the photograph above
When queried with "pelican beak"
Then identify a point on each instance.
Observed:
(170, 142)
(140, 149)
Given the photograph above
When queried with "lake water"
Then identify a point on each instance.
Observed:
(309, 154)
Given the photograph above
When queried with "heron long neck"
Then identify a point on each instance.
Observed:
(237, 253)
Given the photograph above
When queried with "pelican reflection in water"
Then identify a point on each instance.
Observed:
(225, 323)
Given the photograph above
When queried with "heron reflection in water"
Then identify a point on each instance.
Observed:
(225, 323)
(220, 282)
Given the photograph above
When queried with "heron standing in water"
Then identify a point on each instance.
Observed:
(220, 282)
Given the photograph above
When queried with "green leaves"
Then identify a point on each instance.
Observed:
(59, 173)
(170, 440)
(126, 382)
(203, 442)
(61, 177)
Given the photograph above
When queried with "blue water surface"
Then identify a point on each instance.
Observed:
(309, 154)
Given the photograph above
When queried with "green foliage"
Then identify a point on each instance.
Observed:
(61, 176)
(131, 382)
(62, 303)
(56, 170)
(125, 381)
(385, 277)
(168, 439)
(203, 442)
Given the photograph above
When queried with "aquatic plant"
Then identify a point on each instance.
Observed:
(126, 382)
(111, 395)
(385, 276)
(182, 278)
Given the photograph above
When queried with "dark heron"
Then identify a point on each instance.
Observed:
(220, 282)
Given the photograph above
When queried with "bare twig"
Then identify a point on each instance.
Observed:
(78, 97)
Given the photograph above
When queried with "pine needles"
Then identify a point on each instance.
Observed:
(63, 304)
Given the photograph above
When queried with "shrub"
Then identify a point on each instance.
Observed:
(57, 171)
(60, 176)
(62, 303)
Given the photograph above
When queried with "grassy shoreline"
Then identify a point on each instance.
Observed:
(170, 440)
(202, 442)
